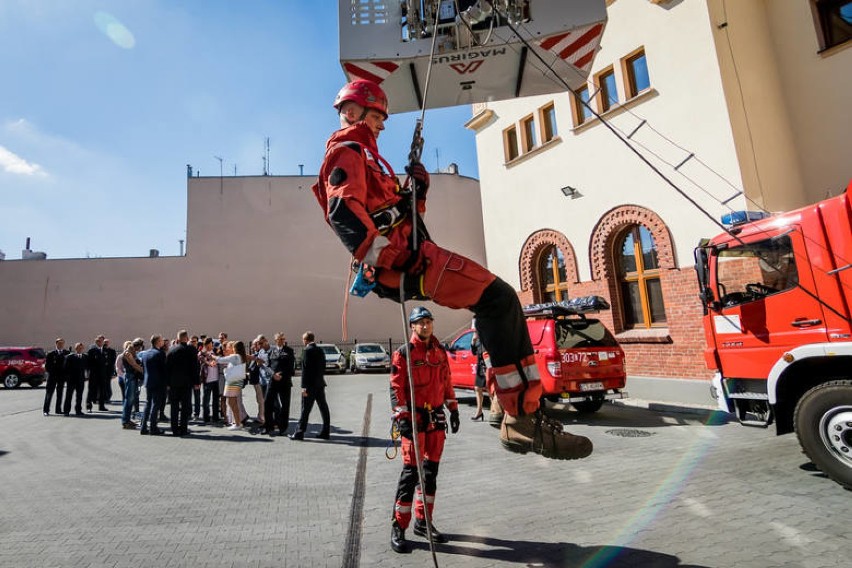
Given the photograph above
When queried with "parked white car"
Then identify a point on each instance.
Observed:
(335, 362)
(369, 356)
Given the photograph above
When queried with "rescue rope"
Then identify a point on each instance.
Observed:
(418, 457)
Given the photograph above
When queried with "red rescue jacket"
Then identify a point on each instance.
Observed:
(431, 371)
(355, 181)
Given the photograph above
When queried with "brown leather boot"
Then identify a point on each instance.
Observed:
(495, 415)
(542, 435)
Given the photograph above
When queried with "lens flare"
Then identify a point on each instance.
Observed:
(114, 30)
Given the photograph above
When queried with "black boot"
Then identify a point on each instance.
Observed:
(420, 530)
(398, 542)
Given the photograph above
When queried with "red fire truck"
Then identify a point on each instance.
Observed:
(777, 293)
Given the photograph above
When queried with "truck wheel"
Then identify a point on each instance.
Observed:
(12, 380)
(588, 406)
(823, 421)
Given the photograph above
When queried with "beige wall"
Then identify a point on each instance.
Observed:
(789, 105)
(260, 258)
(686, 104)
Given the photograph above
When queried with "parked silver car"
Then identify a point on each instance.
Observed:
(369, 356)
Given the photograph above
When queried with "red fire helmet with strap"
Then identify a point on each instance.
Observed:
(365, 93)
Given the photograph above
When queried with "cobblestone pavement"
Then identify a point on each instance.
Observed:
(672, 489)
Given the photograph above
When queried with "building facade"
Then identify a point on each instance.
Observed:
(739, 105)
(259, 259)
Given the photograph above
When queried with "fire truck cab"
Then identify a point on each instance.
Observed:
(776, 292)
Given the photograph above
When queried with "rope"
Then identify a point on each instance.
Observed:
(417, 455)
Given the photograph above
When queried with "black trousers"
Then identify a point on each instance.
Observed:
(73, 386)
(278, 392)
(180, 399)
(196, 400)
(211, 400)
(317, 396)
(53, 384)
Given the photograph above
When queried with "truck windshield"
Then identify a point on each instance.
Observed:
(571, 334)
(756, 270)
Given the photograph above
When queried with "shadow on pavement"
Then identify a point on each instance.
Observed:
(637, 417)
(554, 554)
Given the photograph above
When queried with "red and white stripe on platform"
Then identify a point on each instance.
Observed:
(576, 47)
(375, 71)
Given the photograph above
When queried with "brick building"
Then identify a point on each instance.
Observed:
(722, 98)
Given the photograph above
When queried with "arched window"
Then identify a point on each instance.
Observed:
(639, 279)
(552, 276)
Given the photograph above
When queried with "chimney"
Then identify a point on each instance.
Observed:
(153, 253)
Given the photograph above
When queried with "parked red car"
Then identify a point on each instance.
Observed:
(21, 364)
(579, 360)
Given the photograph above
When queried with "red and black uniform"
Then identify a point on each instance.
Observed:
(433, 391)
(363, 203)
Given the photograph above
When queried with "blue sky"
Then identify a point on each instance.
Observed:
(103, 103)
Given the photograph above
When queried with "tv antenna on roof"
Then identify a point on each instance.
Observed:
(266, 157)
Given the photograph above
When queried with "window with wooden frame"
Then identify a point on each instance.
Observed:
(581, 111)
(552, 276)
(639, 279)
(635, 70)
(833, 19)
(607, 94)
(510, 143)
(547, 119)
(529, 139)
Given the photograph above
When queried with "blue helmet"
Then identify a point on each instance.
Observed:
(418, 314)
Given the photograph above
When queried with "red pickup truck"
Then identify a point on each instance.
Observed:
(579, 360)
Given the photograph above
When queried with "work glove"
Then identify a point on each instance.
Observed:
(420, 177)
(454, 421)
(415, 264)
(405, 428)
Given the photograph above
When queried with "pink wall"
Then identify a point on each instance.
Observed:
(259, 259)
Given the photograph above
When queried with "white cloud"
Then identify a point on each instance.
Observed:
(14, 164)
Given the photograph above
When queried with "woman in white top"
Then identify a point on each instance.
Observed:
(235, 374)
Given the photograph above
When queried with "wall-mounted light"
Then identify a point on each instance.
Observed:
(571, 192)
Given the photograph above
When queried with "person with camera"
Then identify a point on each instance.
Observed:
(433, 391)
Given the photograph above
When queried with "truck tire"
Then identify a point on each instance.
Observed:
(823, 421)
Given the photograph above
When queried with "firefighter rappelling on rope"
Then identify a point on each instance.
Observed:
(479, 55)
(413, 55)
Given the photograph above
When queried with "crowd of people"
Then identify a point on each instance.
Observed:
(198, 377)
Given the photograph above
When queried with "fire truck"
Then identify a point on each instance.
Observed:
(777, 291)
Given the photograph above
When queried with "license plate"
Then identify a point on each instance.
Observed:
(586, 387)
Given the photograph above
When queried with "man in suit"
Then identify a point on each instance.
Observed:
(182, 372)
(282, 361)
(109, 370)
(313, 388)
(54, 365)
(155, 381)
(97, 368)
(76, 368)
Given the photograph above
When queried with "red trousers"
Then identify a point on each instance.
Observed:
(431, 447)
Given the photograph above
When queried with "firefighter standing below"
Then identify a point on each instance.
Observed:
(365, 206)
(432, 391)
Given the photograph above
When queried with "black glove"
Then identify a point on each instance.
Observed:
(415, 264)
(454, 421)
(420, 177)
(404, 427)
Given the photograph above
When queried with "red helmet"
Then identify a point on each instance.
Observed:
(366, 93)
